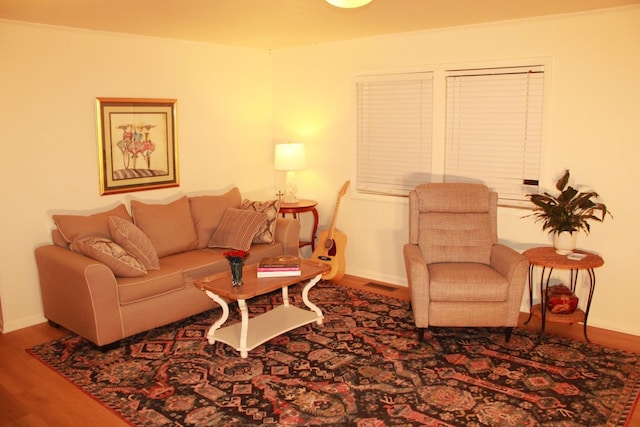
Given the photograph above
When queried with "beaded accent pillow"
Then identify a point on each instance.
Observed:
(111, 254)
(267, 231)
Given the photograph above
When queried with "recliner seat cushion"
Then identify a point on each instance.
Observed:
(466, 282)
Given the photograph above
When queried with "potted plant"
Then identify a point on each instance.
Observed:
(567, 213)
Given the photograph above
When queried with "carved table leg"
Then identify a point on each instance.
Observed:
(305, 297)
(244, 313)
(225, 315)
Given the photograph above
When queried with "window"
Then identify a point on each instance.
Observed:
(492, 131)
(394, 131)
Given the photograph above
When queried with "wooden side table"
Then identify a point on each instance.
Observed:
(547, 258)
(304, 205)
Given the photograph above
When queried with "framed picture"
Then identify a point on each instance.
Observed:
(137, 145)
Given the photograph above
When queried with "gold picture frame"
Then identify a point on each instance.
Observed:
(137, 144)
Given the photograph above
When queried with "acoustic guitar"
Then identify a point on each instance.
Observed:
(331, 244)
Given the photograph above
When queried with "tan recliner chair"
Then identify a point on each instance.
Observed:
(458, 273)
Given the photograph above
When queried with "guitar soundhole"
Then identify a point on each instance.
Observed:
(330, 246)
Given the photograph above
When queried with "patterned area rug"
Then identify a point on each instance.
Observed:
(362, 367)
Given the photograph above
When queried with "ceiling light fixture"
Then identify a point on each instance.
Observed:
(348, 4)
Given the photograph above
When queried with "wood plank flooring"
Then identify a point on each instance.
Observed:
(33, 395)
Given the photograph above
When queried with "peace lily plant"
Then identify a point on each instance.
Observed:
(567, 213)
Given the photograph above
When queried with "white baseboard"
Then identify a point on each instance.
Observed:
(22, 323)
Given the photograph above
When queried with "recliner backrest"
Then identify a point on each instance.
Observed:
(453, 222)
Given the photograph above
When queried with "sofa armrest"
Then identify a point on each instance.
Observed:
(79, 294)
(288, 233)
(418, 281)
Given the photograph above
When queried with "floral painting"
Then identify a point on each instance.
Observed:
(137, 144)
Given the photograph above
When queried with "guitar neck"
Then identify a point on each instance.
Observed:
(332, 227)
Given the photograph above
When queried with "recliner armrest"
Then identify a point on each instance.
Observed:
(509, 262)
(418, 279)
(514, 267)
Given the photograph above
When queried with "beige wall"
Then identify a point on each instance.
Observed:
(233, 100)
(592, 128)
(50, 78)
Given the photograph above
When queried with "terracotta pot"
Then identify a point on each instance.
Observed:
(565, 242)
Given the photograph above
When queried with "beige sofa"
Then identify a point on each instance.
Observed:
(111, 275)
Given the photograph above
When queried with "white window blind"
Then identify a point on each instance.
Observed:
(394, 132)
(494, 129)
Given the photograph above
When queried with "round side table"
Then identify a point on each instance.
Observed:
(301, 206)
(547, 258)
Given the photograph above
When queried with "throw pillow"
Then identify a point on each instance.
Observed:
(76, 226)
(237, 228)
(134, 241)
(207, 212)
(169, 227)
(271, 208)
(111, 254)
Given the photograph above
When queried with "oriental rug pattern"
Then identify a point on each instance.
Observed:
(362, 367)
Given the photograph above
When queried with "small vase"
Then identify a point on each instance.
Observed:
(236, 262)
(236, 272)
(565, 242)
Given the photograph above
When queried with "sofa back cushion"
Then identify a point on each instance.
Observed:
(207, 211)
(73, 227)
(168, 226)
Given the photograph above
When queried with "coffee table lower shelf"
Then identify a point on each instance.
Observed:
(263, 327)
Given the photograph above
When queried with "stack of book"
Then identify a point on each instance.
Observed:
(281, 266)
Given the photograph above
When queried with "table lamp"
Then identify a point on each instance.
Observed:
(290, 157)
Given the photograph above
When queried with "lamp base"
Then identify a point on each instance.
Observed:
(291, 189)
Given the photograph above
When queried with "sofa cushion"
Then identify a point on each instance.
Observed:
(166, 280)
(168, 226)
(134, 241)
(237, 228)
(271, 208)
(111, 254)
(207, 212)
(73, 227)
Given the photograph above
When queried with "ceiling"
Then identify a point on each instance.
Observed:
(273, 24)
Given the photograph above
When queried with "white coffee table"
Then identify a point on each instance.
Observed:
(249, 333)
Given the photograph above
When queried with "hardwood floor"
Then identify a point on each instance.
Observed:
(33, 395)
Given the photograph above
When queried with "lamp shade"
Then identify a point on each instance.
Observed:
(290, 157)
(348, 4)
